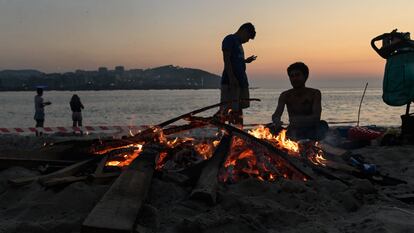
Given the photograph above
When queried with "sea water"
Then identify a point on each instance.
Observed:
(147, 107)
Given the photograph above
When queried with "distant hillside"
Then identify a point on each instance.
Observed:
(164, 77)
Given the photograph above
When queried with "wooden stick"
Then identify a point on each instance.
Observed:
(186, 115)
(207, 183)
(67, 171)
(329, 122)
(118, 208)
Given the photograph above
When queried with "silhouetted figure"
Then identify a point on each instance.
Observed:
(234, 82)
(39, 116)
(303, 105)
(76, 106)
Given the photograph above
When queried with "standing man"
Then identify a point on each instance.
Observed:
(234, 83)
(39, 110)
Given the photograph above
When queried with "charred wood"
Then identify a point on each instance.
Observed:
(118, 208)
(206, 187)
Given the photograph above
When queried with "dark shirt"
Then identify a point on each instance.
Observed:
(39, 108)
(233, 44)
(76, 106)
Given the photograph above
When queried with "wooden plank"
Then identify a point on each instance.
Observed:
(206, 187)
(67, 171)
(118, 208)
(333, 150)
(63, 180)
(96, 178)
(104, 177)
(6, 162)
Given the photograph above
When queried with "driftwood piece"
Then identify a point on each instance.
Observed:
(206, 187)
(95, 178)
(103, 177)
(63, 180)
(67, 171)
(118, 208)
(6, 162)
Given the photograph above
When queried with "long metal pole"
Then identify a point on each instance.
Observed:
(360, 104)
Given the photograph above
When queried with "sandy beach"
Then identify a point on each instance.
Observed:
(250, 205)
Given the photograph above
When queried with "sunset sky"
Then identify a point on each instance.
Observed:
(332, 37)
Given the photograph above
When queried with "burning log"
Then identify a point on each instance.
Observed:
(118, 208)
(151, 134)
(278, 155)
(207, 184)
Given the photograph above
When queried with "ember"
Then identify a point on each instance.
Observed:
(246, 159)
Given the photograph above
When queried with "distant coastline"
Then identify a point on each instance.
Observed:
(160, 78)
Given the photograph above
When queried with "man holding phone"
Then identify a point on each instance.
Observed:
(234, 82)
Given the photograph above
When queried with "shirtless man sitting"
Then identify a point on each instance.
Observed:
(303, 106)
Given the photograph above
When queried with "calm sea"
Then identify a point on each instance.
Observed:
(143, 107)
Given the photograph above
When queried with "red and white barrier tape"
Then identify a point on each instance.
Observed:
(115, 129)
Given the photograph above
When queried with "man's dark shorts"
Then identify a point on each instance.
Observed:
(39, 123)
(237, 95)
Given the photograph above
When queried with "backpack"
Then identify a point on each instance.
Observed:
(398, 84)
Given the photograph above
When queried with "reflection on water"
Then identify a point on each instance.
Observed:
(154, 106)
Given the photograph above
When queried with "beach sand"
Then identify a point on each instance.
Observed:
(319, 205)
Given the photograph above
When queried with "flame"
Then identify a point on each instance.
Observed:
(126, 159)
(317, 158)
(280, 140)
(246, 159)
(113, 163)
(101, 152)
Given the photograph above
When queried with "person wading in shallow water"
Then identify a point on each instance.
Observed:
(76, 106)
(303, 105)
(39, 116)
(234, 83)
